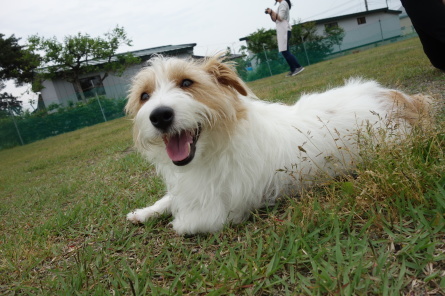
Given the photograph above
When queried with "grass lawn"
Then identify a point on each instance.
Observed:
(63, 203)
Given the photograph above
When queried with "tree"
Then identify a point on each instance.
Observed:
(334, 35)
(260, 41)
(316, 46)
(16, 62)
(8, 104)
(81, 54)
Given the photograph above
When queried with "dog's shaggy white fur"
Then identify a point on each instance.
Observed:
(222, 152)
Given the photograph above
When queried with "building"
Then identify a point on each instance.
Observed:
(405, 22)
(62, 92)
(361, 28)
(364, 27)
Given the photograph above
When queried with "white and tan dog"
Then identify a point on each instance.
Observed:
(223, 153)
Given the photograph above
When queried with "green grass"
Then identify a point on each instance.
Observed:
(63, 203)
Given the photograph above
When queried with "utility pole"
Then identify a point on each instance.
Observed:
(366, 5)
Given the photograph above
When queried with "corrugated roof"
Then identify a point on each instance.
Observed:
(161, 49)
(340, 17)
(148, 52)
(144, 54)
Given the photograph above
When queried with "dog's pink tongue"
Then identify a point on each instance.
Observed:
(178, 146)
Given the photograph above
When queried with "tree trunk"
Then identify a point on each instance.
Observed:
(103, 78)
(78, 89)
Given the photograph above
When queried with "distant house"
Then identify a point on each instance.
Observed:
(361, 28)
(364, 27)
(59, 91)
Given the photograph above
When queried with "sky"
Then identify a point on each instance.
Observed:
(213, 25)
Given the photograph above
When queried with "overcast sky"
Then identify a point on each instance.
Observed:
(213, 24)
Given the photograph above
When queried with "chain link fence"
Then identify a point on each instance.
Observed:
(57, 119)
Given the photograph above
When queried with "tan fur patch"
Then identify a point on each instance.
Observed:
(414, 109)
(143, 82)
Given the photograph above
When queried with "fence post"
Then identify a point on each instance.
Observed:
(100, 106)
(97, 97)
(305, 52)
(267, 59)
(15, 124)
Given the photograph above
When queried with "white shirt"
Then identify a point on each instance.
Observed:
(283, 12)
(283, 26)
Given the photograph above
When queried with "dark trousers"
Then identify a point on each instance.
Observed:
(289, 57)
(428, 18)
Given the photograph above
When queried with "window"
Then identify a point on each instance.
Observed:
(91, 86)
(361, 20)
(331, 25)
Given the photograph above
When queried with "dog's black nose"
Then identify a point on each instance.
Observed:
(162, 117)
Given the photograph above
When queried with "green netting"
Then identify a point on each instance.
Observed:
(57, 120)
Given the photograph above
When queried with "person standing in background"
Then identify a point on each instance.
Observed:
(281, 18)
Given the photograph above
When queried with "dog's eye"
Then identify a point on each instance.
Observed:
(145, 97)
(186, 83)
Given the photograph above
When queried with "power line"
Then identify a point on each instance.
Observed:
(345, 7)
(348, 6)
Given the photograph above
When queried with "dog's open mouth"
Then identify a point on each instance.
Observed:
(181, 147)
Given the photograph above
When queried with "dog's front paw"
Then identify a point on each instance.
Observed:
(141, 215)
(194, 226)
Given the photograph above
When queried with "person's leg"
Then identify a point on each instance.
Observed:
(287, 56)
(292, 58)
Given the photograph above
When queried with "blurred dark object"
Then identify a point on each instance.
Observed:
(428, 18)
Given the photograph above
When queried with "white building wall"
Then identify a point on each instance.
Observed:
(65, 92)
(58, 92)
(406, 26)
(377, 27)
(49, 93)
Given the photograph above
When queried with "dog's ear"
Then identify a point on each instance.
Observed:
(224, 74)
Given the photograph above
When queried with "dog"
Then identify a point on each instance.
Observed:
(222, 152)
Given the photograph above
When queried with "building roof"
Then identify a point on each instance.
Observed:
(162, 49)
(353, 15)
(144, 54)
(147, 53)
(403, 14)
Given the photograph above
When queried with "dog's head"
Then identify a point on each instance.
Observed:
(175, 102)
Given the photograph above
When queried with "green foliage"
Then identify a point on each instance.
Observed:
(8, 104)
(334, 35)
(260, 41)
(16, 62)
(317, 47)
(305, 44)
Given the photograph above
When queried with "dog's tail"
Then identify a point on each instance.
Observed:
(413, 109)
